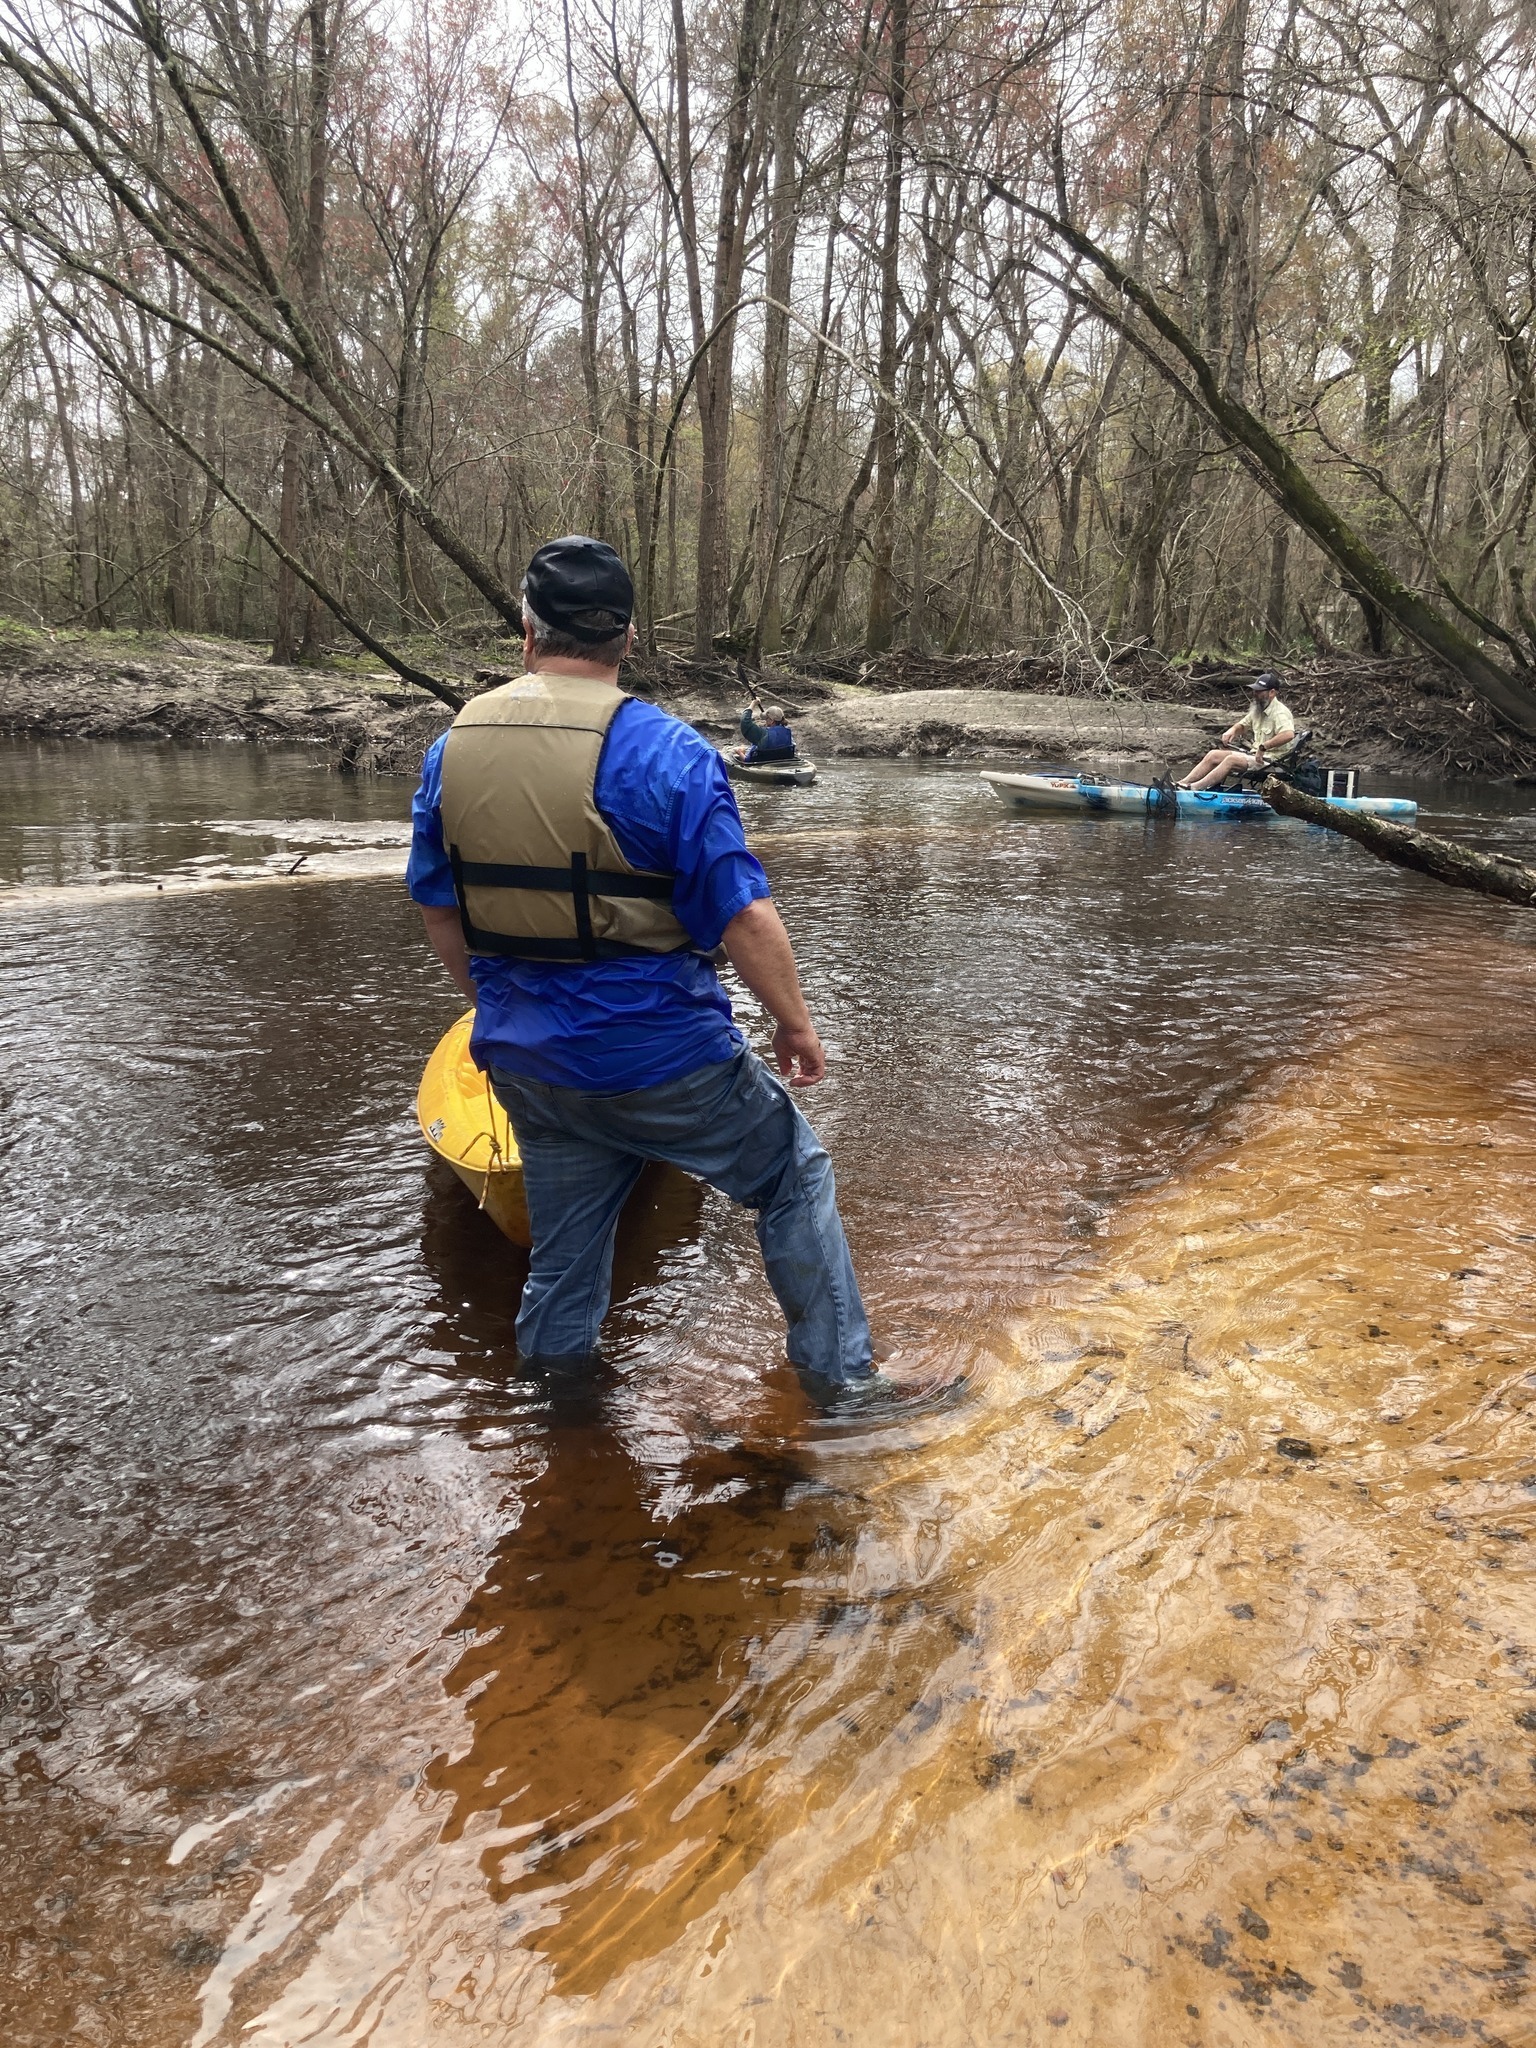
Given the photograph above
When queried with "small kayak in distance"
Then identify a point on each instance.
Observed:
(1086, 793)
(796, 773)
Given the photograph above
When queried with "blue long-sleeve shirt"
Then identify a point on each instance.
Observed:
(613, 1025)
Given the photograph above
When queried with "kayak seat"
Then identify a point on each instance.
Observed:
(1250, 778)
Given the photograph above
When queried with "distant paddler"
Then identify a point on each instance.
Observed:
(1263, 736)
(578, 858)
(766, 729)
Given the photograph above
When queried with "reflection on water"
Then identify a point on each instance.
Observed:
(1168, 1681)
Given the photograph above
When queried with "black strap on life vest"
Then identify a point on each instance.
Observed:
(581, 883)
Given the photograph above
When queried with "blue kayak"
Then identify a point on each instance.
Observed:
(1085, 793)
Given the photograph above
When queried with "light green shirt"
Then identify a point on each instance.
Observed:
(1260, 723)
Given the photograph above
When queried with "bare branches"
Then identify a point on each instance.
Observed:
(1002, 331)
(271, 309)
(131, 385)
(1512, 698)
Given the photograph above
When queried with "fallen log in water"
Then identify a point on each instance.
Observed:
(1459, 867)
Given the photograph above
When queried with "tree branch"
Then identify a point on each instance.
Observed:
(1507, 694)
(1459, 867)
(444, 692)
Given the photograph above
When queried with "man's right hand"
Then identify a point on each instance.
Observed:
(798, 1048)
(758, 947)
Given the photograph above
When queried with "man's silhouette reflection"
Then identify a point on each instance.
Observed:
(616, 1721)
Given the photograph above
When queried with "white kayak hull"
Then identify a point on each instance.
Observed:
(796, 774)
(1083, 795)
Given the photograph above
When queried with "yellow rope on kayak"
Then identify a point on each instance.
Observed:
(498, 1161)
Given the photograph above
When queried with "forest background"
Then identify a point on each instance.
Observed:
(897, 323)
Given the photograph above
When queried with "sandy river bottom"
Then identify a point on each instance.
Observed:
(1174, 1685)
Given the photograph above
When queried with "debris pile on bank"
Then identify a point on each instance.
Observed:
(185, 688)
(1400, 711)
(1407, 706)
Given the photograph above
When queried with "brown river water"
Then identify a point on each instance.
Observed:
(1162, 1670)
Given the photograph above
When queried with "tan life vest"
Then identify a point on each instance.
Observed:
(536, 868)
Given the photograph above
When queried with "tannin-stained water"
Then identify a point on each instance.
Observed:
(1159, 1672)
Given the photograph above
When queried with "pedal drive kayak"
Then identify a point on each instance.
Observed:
(798, 773)
(1086, 793)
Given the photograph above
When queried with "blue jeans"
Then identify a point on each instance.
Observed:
(733, 1124)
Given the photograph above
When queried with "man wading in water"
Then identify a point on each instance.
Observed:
(577, 856)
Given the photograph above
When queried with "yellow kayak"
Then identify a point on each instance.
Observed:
(465, 1125)
(463, 1122)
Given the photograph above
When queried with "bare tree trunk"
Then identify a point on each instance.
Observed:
(923, 396)
(881, 623)
(1084, 466)
(208, 553)
(83, 566)
(416, 586)
(808, 413)
(715, 373)
(629, 341)
(646, 520)
(773, 422)
(174, 470)
(291, 630)
(824, 622)
(285, 624)
(1274, 603)
(591, 295)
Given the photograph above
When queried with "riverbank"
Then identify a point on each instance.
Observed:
(1390, 715)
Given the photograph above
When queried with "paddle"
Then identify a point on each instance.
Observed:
(754, 701)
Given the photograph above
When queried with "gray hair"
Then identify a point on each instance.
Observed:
(775, 714)
(607, 652)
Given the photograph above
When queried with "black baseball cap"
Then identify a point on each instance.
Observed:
(579, 586)
(1267, 681)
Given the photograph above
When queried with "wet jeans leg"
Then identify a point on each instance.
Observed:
(772, 1161)
(575, 1190)
(734, 1125)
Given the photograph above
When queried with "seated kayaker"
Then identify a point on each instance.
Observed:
(765, 728)
(1265, 734)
